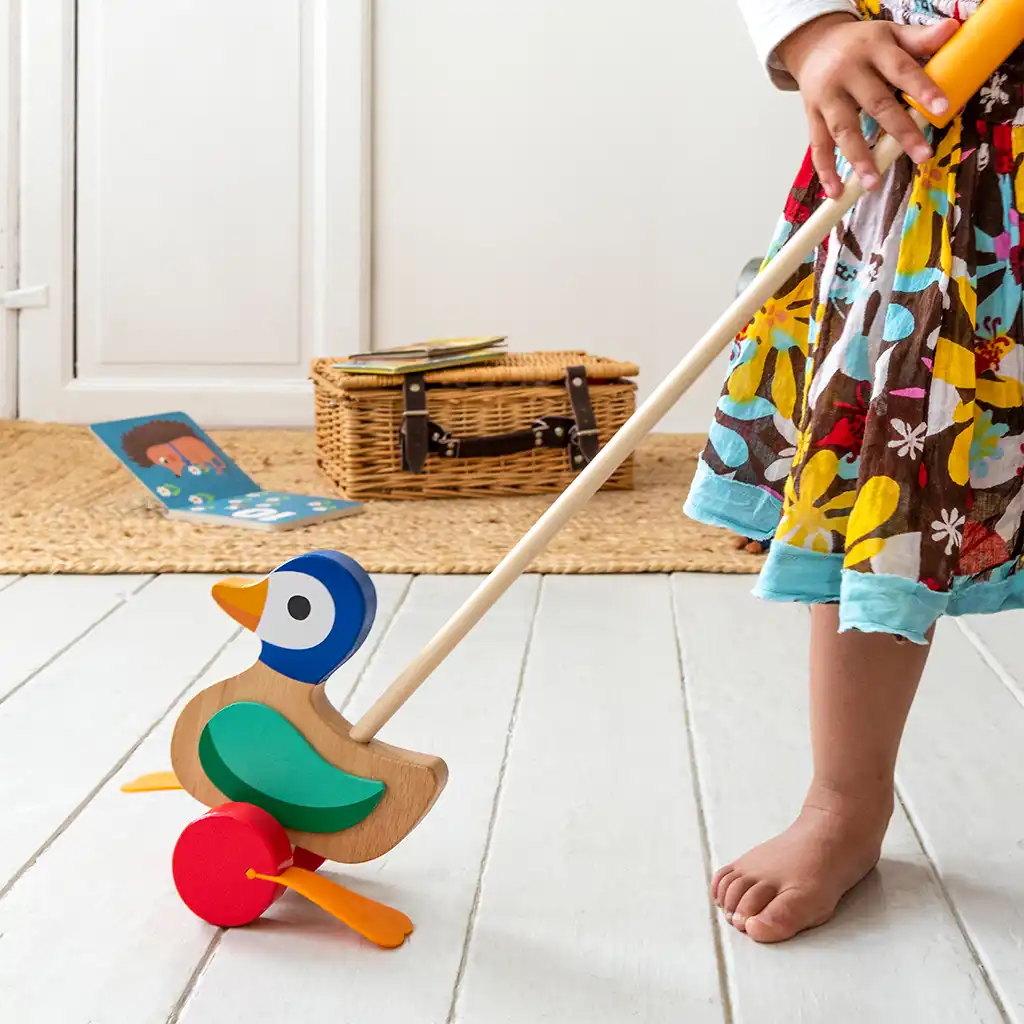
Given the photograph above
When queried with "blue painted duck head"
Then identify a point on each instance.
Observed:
(312, 613)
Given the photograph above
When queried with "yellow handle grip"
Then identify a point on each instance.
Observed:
(968, 60)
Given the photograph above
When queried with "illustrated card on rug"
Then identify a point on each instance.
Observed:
(186, 471)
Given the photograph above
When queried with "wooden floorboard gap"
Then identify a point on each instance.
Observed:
(190, 986)
(71, 643)
(122, 761)
(990, 985)
(717, 921)
(992, 661)
(495, 808)
(387, 627)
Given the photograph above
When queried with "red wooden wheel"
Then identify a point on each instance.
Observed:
(213, 854)
(306, 859)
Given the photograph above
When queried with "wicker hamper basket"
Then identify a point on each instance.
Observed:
(525, 423)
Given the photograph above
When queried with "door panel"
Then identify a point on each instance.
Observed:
(191, 176)
(206, 234)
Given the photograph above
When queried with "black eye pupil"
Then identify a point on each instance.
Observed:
(298, 607)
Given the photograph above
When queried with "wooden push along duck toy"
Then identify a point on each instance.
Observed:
(272, 757)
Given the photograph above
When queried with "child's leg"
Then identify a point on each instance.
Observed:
(862, 686)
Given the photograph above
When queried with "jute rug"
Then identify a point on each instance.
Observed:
(66, 505)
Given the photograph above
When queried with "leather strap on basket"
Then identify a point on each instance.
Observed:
(583, 412)
(421, 436)
(547, 432)
(416, 430)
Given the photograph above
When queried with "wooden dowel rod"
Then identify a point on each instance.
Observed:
(621, 446)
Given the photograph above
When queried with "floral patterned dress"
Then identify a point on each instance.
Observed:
(872, 422)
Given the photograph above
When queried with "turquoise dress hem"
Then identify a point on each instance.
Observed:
(868, 602)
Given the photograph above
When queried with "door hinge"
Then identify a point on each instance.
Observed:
(26, 298)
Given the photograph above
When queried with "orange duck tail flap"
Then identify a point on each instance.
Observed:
(382, 925)
(154, 782)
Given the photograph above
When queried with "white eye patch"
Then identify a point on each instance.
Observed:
(299, 611)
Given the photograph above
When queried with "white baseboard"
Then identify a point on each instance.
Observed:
(229, 403)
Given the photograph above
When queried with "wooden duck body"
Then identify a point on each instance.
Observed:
(412, 781)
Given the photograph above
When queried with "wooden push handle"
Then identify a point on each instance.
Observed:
(967, 61)
(961, 67)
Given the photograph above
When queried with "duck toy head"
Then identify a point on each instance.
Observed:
(312, 613)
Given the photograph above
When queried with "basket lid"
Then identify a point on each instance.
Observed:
(511, 368)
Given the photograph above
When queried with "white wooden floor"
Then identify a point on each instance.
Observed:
(609, 739)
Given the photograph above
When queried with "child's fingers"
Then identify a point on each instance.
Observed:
(899, 68)
(843, 121)
(823, 155)
(879, 101)
(923, 41)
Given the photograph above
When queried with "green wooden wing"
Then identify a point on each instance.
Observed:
(252, 753)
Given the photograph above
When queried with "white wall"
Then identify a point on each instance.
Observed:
(578, 173)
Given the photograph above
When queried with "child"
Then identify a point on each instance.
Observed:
(872, 423)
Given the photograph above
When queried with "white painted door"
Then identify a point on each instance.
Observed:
(194, 196)
(8, 210)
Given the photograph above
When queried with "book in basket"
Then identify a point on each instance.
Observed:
(192, 477)
(441, 354)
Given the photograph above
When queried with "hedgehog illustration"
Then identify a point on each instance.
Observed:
(173, 445)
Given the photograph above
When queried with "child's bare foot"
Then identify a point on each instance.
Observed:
(794, 881)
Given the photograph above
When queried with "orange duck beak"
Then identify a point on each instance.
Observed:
(243, 600)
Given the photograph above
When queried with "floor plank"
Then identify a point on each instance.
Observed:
(998, 639)
(895, 951)
(297, 962)
(961, 778)
(61, 736)
(593, 906)
(8, 580)
(95, 931)
(47, 614)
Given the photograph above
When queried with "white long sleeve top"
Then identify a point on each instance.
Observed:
(772, 21)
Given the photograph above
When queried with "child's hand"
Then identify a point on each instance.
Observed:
(844, 65)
